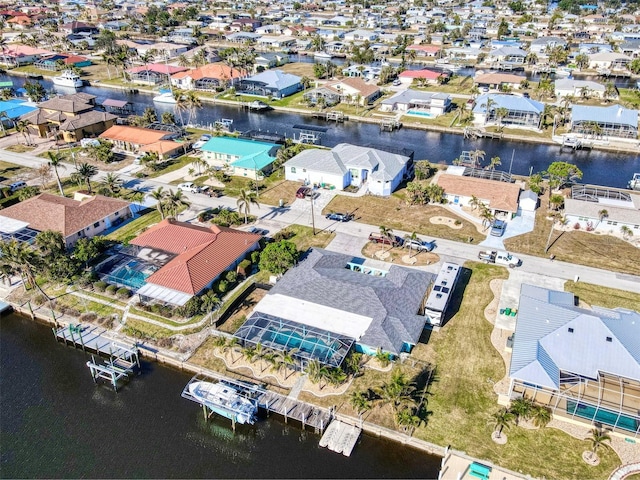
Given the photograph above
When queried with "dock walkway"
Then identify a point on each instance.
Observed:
(340, 437)
(93, 338)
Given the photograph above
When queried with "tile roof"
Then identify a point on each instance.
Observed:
(392, 302)
(212, 70)
(424, 73)
(157, 68)
(553, 335)
(85, 120)
(134, 135)
(365, 89)
(202, 253)
(61, 104)
(500, 195)
(65, 215)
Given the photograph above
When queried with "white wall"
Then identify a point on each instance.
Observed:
(305, 175)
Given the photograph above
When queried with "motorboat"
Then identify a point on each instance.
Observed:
(165, 97)
(225, 401)
(634, 183)
(322, 56)
(562, 72)
(68, 78)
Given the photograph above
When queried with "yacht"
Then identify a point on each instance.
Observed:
(322, 56)
(68, 78)
(165, 97)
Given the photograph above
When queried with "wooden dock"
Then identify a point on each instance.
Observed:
(94, 339)
(470, 132)
(340, 437)
(331, 116)
(307, 414)
(390, 124)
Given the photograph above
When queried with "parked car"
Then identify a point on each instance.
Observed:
(303, 192)
(339, 217)
(15, 186)
(189, 187)
(393, 240)
(420, 245)
(498, 228)
(396, 82)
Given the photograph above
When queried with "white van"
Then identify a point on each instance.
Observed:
(15, 186)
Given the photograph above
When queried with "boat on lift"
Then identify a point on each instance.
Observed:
(165, 97)
(634, 183)
(225, 401)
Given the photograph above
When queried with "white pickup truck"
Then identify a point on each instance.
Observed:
(499, 258)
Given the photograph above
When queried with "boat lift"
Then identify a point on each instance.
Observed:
(310, 133)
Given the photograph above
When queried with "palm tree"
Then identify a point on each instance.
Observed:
(360, 402)
(175, 201)
(411, 238)
(486, 216)
(245, 199)
(501, 113)
(20, 257)
(313, 369)
(249, 353)
(502, 419)
(287, 360)
(522, 408)
(475, 202)
(55, 161)
(556, 200)
(159, 195)
(387, 233)
(193, 104)
(477, 156)
(398, 391)
(602, 214)
(541, 416)
(22, 126)
(597, 439)
(111, 184)
(85, 171)
(407, 419)
(181, 104)
(147, 58)
(627, 233)
(495, 162)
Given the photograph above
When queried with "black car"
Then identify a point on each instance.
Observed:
(339, 217)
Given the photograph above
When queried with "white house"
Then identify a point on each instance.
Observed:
(568, 86)
(418, 103)
(344, 165)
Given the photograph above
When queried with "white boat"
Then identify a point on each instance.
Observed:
(562, 72)
(322, 56)
(224, 400)
(634, 183)
(166, 97)
(68, 78)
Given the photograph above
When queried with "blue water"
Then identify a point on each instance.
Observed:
(290, 339)
(129, 276)
(602, 415)
(418, 113)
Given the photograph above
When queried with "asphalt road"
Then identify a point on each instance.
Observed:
(275, 218)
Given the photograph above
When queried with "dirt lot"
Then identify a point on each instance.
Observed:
(398, 255)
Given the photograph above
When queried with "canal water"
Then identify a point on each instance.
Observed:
(56, 423)
(601, 168)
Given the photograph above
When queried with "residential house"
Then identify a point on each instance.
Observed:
(197, 257)
(72, 117)
(275, 83)
(498, 81)
(425, 51)
(17, 55)
(614, 121)
(61, 62)
(381, 172)
(153, 73)
(334, 300)
(578, 88)
(583, 363)
(136, 140)
(417, 102)
(511, 110)
(501, 198)
(508, 55)
(240, 156)
(208, 77)
(367, 72)
(14, 109)
(608, 61)
(270, 60)
(279, 41)
(603, 209)
(541, 44)
(426, 76)
(361, 36)
(78, 27)
(244, 25)
(75, 218)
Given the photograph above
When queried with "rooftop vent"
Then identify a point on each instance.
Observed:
(609, 339)
(570, 330)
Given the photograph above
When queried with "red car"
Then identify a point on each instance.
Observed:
(303, 192)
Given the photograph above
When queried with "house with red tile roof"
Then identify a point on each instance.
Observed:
(425, 75)
(200, 256)
(153, 73)
(425, 50)
(497, 196)
(81, 216)
(16, 55)
(139, 139)
(207, 77)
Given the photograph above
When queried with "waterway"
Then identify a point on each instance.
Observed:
(613, 169)
(56, 423)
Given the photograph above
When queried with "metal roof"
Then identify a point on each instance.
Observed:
(614, 114)
(553, 335)
(164, 294)
(510, 102)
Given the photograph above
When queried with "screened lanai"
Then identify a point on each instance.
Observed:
(613, 121)
(304, 341)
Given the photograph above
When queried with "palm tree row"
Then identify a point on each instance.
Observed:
(168, 202)
(521, 409)
(276, 360)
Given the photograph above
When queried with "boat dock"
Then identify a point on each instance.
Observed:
(340, 437)
(390, 124)
(470, 132)
(576, 143)
(332, 116)
(112, 371)
(308, 415)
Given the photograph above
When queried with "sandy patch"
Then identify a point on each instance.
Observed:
(448, 221)
(408, 259)
(381, 255)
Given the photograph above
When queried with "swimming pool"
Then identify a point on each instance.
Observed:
(132, 274)
(312, 345)
(608, 417)
(420, 113)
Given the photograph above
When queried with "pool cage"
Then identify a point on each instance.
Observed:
(609, 400)
(125, 271)
(306, 342)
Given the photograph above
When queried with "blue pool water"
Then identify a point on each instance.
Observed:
(291, 339)
(601, 415)
(419, 113)
(130, 276)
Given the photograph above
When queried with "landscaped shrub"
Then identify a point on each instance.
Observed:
(284, 234)
(231, 277)
(99, 286)
(576, 226)
(223, 286)
(255, 257)
(38, 299)
(88, 317)
(244, 268)
(111, 289)
(191, 308)
(123, 293)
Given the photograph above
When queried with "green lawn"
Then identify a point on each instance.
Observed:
(173, 165)
(604, 296)
(305, 239)
(135, 227)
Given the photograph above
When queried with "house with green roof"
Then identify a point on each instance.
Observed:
(240, 156)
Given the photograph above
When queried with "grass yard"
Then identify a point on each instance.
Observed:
(19, 148)
(305, 239)
(593, 250)
(302, 69)
(11, 171)
(174, 164)
(132, 229)
(603, 296)
(393, 212)
(279, 190)
(141, 329)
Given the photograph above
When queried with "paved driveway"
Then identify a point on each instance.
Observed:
(523, 223)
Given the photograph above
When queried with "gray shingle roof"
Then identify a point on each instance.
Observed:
(553, 335)
(392, 301)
